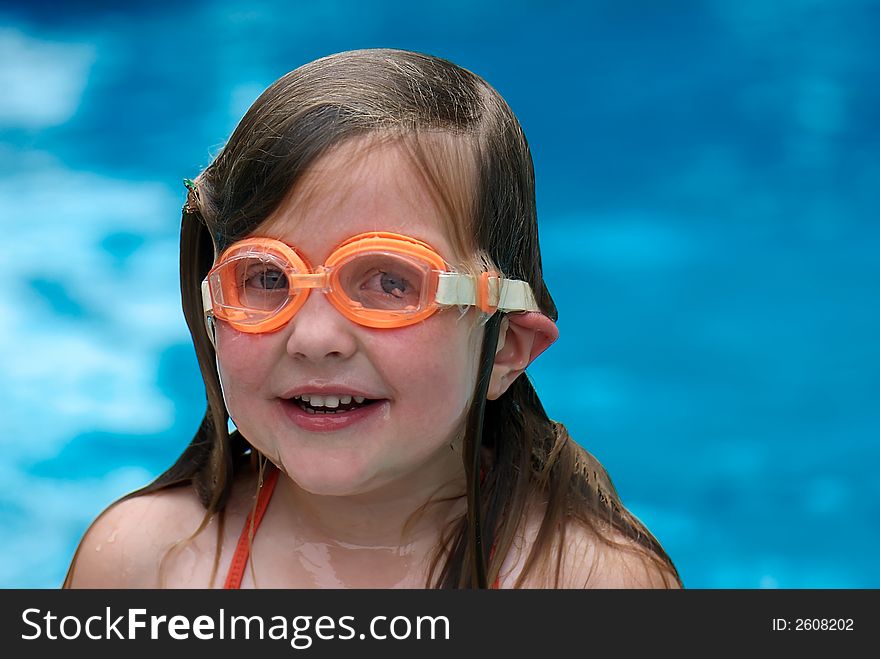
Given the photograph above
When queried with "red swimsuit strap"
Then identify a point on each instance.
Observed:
(242, 550)
(496, 585)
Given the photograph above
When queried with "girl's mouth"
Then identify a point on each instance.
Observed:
(326, 413)
(330, 404)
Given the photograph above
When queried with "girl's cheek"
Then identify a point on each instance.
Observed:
(437, 350)
(241, 357)
(449, 356)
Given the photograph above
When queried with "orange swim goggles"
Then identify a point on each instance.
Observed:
(381, 280)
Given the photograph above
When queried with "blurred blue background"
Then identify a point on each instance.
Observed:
(707, 177)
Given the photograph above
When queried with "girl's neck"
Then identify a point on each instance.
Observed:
(399, 515)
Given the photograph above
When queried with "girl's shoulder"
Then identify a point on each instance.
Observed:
(589, 561)
(150, 541)
(585, 557)
(124, 546)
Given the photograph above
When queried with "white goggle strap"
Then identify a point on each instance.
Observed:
(511, 294)
(208, 311)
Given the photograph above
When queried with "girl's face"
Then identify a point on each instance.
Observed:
(421, 376)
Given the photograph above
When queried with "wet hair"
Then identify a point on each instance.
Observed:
(516, 459)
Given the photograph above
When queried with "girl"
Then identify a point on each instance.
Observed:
(361, 277)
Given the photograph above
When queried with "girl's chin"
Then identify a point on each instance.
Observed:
(366, 482)
(337, 477)
(348, 478)
(331, 485)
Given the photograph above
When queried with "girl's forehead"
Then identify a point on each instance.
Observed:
(360, 186)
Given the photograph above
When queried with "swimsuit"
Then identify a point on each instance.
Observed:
(242, 550)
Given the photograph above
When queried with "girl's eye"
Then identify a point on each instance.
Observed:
(265, 279)
(393, 284)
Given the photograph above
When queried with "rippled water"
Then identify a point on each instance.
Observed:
(707, 192)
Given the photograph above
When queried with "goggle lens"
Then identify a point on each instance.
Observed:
(260, 284)
(252, 285)
(383, 281)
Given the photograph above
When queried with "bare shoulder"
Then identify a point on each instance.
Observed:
(590, 561)
(583, 559)
(124, 546)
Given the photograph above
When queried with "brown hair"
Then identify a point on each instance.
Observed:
(526, 456)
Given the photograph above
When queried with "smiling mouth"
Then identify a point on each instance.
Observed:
(329, 404)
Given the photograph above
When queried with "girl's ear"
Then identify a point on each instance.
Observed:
(523, 336)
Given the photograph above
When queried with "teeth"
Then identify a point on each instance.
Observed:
(321, 401)
(330, 401)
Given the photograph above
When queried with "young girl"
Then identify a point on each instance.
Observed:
(361, 277)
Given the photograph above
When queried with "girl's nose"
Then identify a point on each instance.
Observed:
(318, 331)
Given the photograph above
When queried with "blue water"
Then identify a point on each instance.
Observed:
(707, 181)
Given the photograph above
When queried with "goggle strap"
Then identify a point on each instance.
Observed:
(516, 295)
(207, 305)
(455, 289)
(208, 310)
(459, 289)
